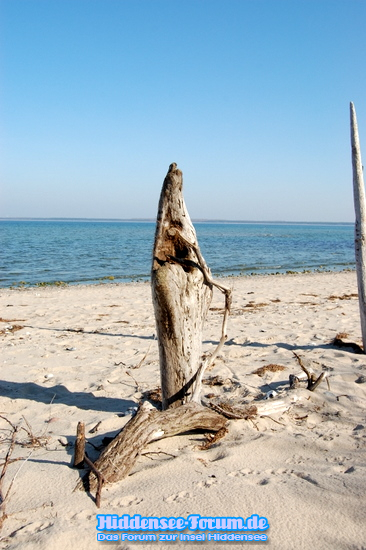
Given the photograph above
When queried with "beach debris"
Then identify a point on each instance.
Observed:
(271, 394)
(48, 376)
(95, 428)
(7, 460)
(216, 381)
(138, 388)
(33, 440)
(252, 305)
(4, 496)
(360, 225)
(268, 368)
(10, 329)
(246, 413)
(211, 439)
(79, 446)
(313, 381)
(81, 458)
(343, 297)
(143, 359)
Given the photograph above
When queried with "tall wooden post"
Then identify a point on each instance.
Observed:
(181, 293)
(360, 225)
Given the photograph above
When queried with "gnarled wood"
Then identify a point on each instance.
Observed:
(118, 459)
(181, 293)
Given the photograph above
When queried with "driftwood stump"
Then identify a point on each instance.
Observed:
(182, 291)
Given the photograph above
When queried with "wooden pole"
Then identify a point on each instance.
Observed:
(360, 225)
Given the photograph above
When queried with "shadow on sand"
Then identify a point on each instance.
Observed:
(60, 394)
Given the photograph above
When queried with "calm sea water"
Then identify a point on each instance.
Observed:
(35, 252)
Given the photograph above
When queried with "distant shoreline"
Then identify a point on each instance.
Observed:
(107, 281)
(153, 220)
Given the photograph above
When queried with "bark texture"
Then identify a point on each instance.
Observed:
(181, 293)
(360, 225)
(118, 459)
(79, 453)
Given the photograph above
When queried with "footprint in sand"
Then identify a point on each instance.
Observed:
(83, 515)
(128, 500)
(207, 483)
(243, 472)
(280, 475)
(178, 497)
(296, 459)
(33, 527)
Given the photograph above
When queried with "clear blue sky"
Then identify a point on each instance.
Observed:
(249, 97)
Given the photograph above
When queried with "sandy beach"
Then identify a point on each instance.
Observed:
(87, 353)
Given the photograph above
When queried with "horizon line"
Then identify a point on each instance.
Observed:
(153, 220)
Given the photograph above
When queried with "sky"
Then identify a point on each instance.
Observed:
(249, 97)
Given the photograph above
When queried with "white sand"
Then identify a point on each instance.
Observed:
(304, 470)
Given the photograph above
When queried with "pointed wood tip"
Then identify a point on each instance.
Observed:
(174, 170)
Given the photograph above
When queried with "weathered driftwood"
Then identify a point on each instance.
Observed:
(79, 451)
(149, 424)
(360, 225)
(100, 480)
(313, 380)
(182, 292)
(248, 412)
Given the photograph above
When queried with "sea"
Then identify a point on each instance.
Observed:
(45, 252)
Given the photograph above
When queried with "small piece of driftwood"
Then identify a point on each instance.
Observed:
(100, 480)
(149, 424)
(313, 379)
(79, 452)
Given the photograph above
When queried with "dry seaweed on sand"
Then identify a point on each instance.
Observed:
(212, 438)
(343, 297)
(268, 368)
